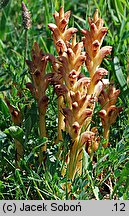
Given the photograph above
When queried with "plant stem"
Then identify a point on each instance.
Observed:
(19, 150)
(62, 3)
(42, 129)
(25, 53)
(72, 167)
(26, 45)
(61, 124)
(106, 136)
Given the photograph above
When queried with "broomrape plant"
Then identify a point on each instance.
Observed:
(77, 94)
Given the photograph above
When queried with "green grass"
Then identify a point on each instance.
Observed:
(108, 176)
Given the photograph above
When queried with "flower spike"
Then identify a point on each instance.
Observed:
(109, 112)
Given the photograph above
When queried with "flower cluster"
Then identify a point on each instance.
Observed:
(109, 111)
(61, 33)
(92, 41)
(77, 93)
(61, 36)
(80, 93)
(40, 81)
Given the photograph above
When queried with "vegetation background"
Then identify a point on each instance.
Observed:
(108, 176)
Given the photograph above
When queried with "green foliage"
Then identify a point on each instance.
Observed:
(15, 132)
(108, 176)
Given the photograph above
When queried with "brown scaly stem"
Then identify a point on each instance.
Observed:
(42, 106)
(42, 129)
(19, 150)
(106, 136)
(73, 159)
(61, 124)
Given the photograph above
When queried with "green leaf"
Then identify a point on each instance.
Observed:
(28, 125)
(120, 6)
(4, 15)
(96, 192)
(119, 73)
(126, 131)
(85, 160)
(125, 3)
(114, 18)
(2, 135)
(4, 108)
(15, 132)
(119, 9)
(125, 35)
(42, 142)
(127, 166)
(80, 19)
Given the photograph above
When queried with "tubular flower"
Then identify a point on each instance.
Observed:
(61, 33)
(15, 113)
(71, 63)
(109, 111)
(61, 36)
(92, 42)
(94, 53)
(96, 81)
(40, 83)
(91, 140)
(17, 120)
